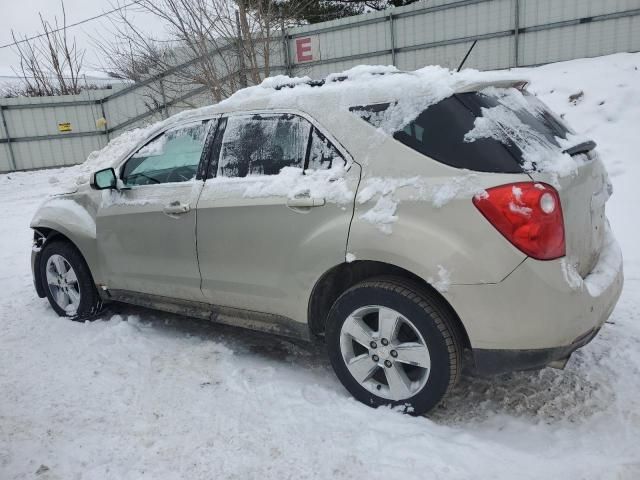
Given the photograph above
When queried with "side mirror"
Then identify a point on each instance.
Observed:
(104, 179)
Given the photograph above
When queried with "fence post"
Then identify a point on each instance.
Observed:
(516, 33)
(165, 107)
(12, 158)
(239, 42)
(106, 124)
(285, 50)
(392, 31)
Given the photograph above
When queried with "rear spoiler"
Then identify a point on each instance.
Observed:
(582, 147)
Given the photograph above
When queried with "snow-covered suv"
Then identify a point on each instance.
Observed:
(402, 216)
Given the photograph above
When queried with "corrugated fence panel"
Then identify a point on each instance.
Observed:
(324, 69)
(41, 121)
(5, 158)
(493, 53)
(455, 23)
(55, 152)
(583, 40)
(122, 108)
(542, 12)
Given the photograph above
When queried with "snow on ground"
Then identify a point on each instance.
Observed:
(143, 395)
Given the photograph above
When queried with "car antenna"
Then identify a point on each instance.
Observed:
(467, 55)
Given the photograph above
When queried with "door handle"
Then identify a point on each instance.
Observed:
(305, 202)
(176, 208)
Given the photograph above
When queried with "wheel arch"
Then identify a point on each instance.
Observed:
(341, 277)
(41, 236)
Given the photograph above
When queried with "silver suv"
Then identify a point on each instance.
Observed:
(402, 218)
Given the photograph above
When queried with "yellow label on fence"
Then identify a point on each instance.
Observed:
(64, 127)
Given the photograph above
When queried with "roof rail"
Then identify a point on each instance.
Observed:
(319, 83)
(311, 83)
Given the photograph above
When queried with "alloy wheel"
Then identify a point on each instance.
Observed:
(63, 283)
(384, 352)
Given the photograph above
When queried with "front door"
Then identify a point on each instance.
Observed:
(146, 232)
(275, 216)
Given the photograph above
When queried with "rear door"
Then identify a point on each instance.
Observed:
(275, 213)
(146, 233)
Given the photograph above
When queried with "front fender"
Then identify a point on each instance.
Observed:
(74, 217)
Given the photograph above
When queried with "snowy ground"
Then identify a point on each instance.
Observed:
(145, 395)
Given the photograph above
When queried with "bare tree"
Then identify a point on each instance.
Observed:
(50, 64)
(225, 43)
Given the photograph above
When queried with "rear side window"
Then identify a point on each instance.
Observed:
(262, 144)
(439, 131)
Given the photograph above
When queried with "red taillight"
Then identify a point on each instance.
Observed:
(529, 215)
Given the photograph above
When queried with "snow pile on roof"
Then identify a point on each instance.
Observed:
(411, 91)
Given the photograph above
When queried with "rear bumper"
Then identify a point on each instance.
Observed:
(492, 362)
(540, 313)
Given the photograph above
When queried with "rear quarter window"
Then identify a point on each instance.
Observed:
(439, 131)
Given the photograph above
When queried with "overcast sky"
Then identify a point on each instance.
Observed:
(21, 16)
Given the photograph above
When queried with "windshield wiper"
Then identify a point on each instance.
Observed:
(582, 147)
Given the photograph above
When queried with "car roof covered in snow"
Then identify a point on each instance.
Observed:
(360, 85)
(412, 91)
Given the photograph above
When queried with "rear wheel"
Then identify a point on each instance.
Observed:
(68, 282)
(391, 342)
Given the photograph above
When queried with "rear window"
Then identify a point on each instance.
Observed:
(439, 131)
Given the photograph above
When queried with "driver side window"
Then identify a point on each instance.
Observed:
(173, 156)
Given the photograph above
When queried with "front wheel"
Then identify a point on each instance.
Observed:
(393, 343)
(68, 282)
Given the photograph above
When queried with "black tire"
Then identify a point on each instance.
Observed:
(90, 303)
(431, 316)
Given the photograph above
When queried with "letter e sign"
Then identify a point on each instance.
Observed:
(303, 50)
